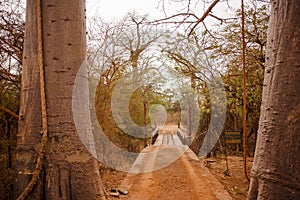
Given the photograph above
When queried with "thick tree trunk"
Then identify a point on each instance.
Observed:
(69, 171)
(276, 168)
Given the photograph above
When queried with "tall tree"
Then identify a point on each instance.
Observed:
(68, 170)
(276, 167)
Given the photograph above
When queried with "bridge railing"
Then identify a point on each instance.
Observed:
(154, 134)
(181, 133)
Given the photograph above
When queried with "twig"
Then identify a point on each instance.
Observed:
(206, 13)
(174, 16)
(9, 112)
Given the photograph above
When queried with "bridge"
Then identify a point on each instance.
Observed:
(169, 170)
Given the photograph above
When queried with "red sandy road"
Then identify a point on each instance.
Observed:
(184, 179)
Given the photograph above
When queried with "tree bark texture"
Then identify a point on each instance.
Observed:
(276, 168)
(69, 171)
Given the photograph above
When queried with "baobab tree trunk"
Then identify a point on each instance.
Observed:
(69, 171)
(276, 167)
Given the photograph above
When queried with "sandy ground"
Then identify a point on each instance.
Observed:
(234, 182)
(172, 172)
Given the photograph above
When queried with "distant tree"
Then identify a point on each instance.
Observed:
(119, 48)
(11, 49)
(205, 50)
(226, 47)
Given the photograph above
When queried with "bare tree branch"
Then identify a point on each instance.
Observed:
(9, 74)
(225, 20)
(9, 112)
(174, 16)
(206, 13)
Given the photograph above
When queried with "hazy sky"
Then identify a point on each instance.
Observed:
(110, 9)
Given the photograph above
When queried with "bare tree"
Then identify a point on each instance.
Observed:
(11, 48)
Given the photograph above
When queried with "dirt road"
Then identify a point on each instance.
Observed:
(169, 170)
